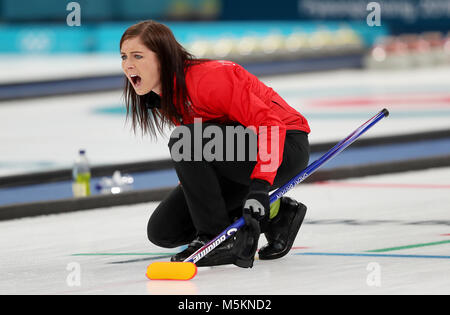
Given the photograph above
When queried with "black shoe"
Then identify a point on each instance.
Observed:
(282, 230)
(195, 245)
(221, 255)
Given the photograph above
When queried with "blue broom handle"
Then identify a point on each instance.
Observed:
(342, 145)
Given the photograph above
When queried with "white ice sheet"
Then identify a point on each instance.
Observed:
(409, 212)
(43, 134)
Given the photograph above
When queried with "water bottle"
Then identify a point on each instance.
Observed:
(81, 176)
(116, 184)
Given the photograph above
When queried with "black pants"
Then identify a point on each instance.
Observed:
(212, 193)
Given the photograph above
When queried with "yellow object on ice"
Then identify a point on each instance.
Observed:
(171, 271)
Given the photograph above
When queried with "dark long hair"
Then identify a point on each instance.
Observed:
(150, 112)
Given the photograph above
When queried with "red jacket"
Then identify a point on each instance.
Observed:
(225, 92)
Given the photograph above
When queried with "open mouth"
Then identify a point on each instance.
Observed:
(136, 80)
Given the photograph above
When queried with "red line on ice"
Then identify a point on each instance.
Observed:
(384, 185)
(377, 100)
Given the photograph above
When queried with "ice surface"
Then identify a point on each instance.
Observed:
(405, 216)
(387, 234)
(46, 133)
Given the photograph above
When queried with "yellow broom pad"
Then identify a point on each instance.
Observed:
(171, 271)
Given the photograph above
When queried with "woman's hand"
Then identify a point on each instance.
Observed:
(257, 203)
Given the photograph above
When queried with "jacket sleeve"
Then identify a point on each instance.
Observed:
(228, 91)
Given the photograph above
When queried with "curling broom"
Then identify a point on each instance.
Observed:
(187, 269)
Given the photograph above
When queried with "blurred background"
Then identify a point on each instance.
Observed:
(338, 62)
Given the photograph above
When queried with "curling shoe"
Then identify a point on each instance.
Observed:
(195, 245)
(221, 255)
(282, 230)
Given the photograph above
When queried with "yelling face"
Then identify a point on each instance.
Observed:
(141, 66)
